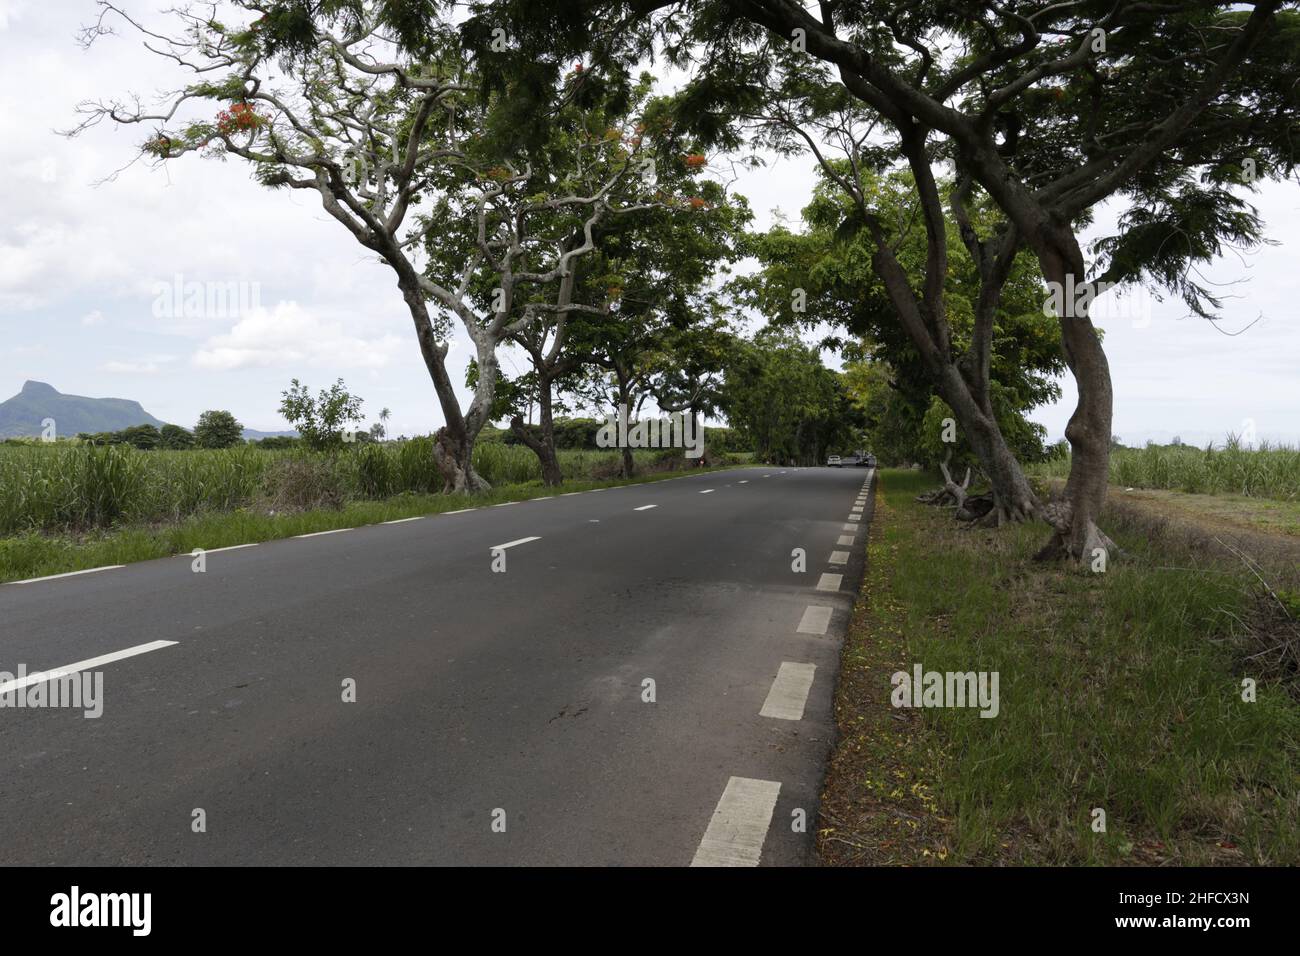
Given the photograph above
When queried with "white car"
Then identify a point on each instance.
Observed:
(833, 461)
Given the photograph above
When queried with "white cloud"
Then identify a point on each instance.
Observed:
(92, 318)
(288, 335)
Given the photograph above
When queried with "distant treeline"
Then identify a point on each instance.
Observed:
(570, 433)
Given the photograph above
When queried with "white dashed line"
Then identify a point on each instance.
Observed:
(403, 520)
(847, 539)
(504, 503)
(745, 482)
(569, 494)
(855, 517)
(739, 825)
(41, 676)
(460, 512)
(317, 534)
(69, 574)
(850, 527)
(233, 547)
(645, 507)
(829, 582)
(839, 557)
(511, 544)
(816, 619)
(707, 491)
(789, 693)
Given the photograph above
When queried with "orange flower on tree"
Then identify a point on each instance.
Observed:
(241, 117)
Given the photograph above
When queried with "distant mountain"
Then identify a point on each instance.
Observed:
(21, 416)
(252, 434)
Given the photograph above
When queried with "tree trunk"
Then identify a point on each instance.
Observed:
(543, 447)
(1014, 498)
(624, 399)
(453, 446)
(1074, 519)
(454, 454)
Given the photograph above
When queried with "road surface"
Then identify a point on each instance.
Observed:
(500, 717)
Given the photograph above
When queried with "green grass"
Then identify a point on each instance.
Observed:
(36, 554)
(62, 487)
(1267, 472)
(1118, 690)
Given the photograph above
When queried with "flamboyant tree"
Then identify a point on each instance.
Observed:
(781, 397)
(1049, 109)
(827, 274)
(321, 99)
(612, 124)
(659, 271)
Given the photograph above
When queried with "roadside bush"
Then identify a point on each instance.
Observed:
(303, 482)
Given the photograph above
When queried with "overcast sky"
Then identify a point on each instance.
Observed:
(81, 265)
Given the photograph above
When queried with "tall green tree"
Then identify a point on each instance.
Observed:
(218, 428)
(826, 274)
(784, 401)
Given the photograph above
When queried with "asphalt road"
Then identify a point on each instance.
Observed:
(499, 717)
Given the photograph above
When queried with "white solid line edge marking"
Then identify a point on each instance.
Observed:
(56, 672)
(789, 694)
(232, 547)
(317, 534)
(511, 544)
(829, 582)
(69, 574)
(645, 507)
(739, 824)
(816, 619)
(403, 520)
(460, 512)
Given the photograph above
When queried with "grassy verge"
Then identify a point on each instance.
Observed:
(1120, 691)
(38, 554)
(1233, 511)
